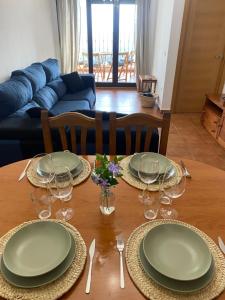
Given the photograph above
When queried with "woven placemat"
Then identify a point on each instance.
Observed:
(76, 180)
(58, 287)
(135, 182)
(154, 291)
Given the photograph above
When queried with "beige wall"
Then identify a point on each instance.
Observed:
(167, 37)
(28, 33)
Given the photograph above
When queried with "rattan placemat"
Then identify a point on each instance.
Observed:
(76, 180)
(58, 287)
(135, 182)
(154, 291)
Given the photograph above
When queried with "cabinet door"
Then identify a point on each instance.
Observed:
(201, 54)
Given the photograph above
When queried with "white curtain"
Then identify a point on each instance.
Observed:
(68, 13)
(144, 37)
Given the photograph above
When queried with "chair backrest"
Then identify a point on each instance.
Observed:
(139, 122)
(71, 123)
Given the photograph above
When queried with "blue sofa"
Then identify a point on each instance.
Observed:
(39, 86)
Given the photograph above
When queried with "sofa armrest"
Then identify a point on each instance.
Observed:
(89, 81)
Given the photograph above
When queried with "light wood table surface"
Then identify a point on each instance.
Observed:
(202, 205)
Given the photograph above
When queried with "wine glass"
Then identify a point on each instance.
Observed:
(173, 191)
(148, 172)
(61, 188)
(41, 168)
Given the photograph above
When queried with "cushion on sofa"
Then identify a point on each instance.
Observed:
(14, 94)
(51, 68)
(35, 73)
(46, 97)
(66, 106)
(86, 94)
(20, 113)
(73, 82)
(89, 81)
(35, 112)
(58, 86)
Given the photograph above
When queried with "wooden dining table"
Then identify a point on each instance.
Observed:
(202, 205)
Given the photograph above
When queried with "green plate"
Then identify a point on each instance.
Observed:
(171, 174)
(78, 170)
(32, 282)
(164, 162)
(172, 284)
(37, 248)
(65, 158)
(177, 252)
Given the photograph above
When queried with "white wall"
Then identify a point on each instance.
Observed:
(167, 36)
(28, 33)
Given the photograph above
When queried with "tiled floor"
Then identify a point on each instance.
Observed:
(187, 137)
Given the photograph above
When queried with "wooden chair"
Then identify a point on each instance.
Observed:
(139, 122)
(68, 122)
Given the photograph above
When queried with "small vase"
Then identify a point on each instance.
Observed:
(107, 200)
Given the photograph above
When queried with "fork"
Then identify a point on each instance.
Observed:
(120, 247)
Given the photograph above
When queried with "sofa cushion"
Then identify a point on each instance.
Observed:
(35, 112)
(35, 73)
(86, 94)
(66, 106)
(58, 86)
(23, 110)
(73, 81)
(46, 97)
(14, 94)
(51, 68)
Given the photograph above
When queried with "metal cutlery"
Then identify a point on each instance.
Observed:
(24, 171)
(120, 247)
(221, 244)
(186, 172)
(91, 255)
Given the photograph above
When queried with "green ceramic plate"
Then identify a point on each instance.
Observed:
(171, 174)
(177, 252)
(37, 248)
(32, 282)
(172, 284)
(65, 158)
(78, 170)
(164, 162)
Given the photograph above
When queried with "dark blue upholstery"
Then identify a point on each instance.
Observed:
(46, 97)
(58, 86)
(89, 81)
(35, 73)
(14, 94)
(73, 82)
(23, 110)
(86, 94)
(51, 68)
(65, 106)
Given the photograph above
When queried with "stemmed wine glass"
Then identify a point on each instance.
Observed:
(148, 172)
(41, 169)
(61, 188)
(173, 191)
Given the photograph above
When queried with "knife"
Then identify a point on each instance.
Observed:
(91, 254)
(186, 172)
(221, 244)
(24, 171)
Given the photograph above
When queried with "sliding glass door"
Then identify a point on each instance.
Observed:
(110, 41)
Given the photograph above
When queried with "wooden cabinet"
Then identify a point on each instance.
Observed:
(213, 117)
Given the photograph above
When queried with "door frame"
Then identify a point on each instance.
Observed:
(115, 50)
